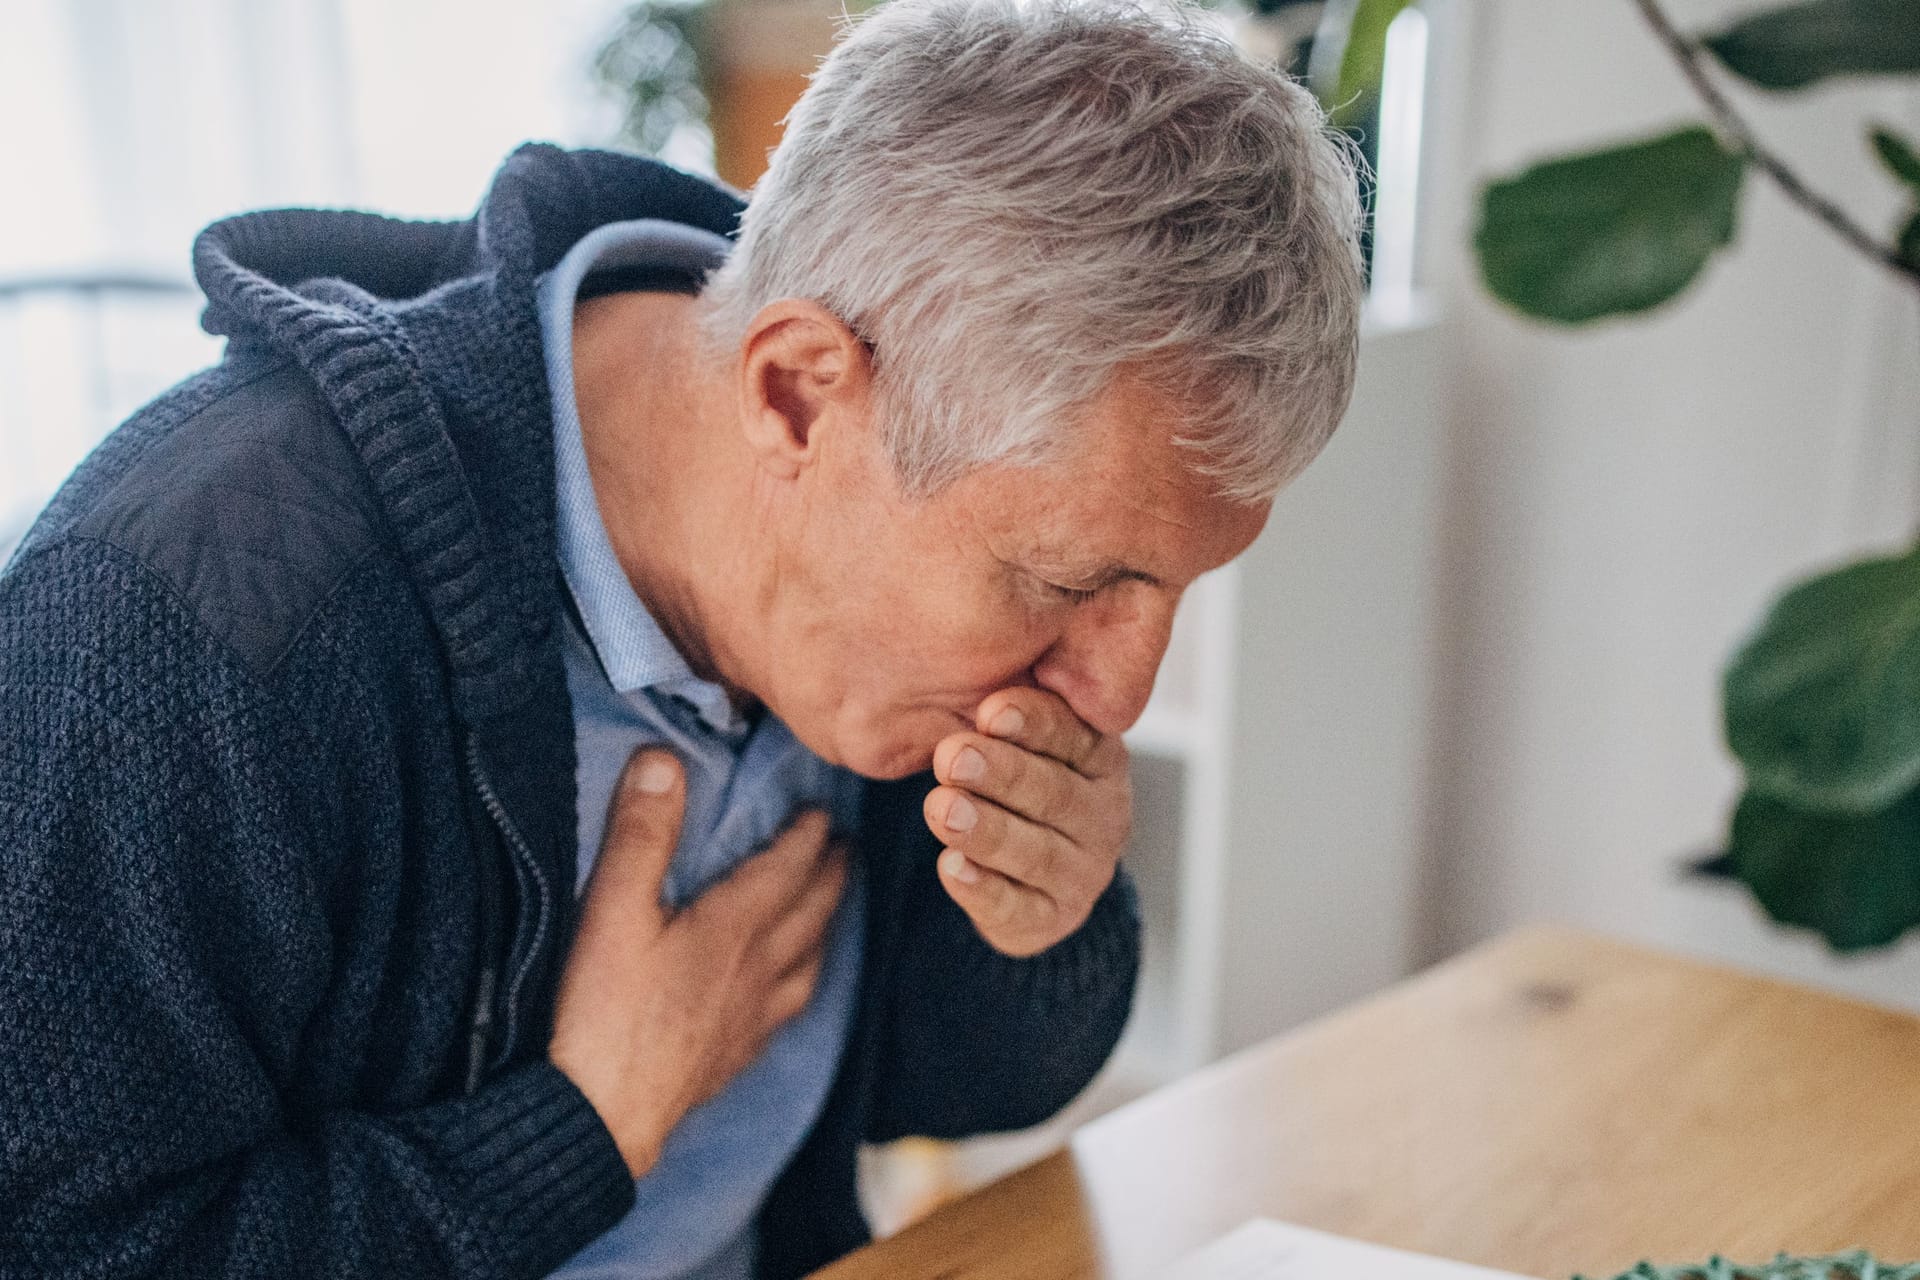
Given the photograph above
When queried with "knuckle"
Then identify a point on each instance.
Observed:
(1062, 790)
(1086, 745)
(1004, 908)
(1046, 912)
(1027, 856)
(1044, 786)
(1013, 764)
(989, 826)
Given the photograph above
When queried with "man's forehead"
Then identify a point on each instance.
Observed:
(1154, 538)
(1121, 497)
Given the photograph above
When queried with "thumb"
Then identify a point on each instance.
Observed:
(643, 829)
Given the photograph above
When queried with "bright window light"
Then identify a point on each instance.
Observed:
(1403, 92)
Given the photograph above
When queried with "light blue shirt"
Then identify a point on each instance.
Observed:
(693, 1217)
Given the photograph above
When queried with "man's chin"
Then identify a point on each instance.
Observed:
(889, 765)
(888, 761)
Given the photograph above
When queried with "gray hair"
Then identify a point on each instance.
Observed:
(1016, 202)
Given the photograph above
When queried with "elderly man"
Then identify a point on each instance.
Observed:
(462, 788)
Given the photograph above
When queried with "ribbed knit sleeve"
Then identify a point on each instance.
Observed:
(529, 1156)
(977, 1041)
(181, 1093)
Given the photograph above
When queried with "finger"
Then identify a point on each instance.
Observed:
(643, 829)
(1042, 721)
(770, 879)
(1038, 788)
(796, 987)
(803, 926)
(1015, 919)
(1036, 857)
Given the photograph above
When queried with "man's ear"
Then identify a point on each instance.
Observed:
(803, 373)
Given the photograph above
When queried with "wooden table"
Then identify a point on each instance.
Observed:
(1546, 1104)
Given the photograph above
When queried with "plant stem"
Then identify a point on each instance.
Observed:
(1689, 55)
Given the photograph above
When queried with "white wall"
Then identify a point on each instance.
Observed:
(1624, 500)
(1325, 724)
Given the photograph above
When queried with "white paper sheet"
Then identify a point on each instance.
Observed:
(1263, 1249)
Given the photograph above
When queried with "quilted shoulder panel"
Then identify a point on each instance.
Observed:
(253, 508)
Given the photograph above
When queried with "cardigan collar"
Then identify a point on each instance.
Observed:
(424, 338)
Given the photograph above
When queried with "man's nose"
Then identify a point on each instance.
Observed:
(1104, 663)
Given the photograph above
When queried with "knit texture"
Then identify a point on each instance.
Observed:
(287, 812)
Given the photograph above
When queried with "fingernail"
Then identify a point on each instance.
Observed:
(656, 777)
(959, 868)
(1007, 722)
(961, 815)
(968, 766)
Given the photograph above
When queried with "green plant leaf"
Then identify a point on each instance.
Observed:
(1898, 155)
(1909, 245)
(1350, 56)
(654, 66)
(1823, 701)
(1854, 879)
(1793, 47)
(1857, 1264)
(1609, 232)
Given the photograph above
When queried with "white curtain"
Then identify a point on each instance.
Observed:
(130, 124)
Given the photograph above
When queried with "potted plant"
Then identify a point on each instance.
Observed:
(1858, 1265)
(1822, 701)
(732, 67)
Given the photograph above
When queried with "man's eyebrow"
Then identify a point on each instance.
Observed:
(1083, 572)
(1105, 575)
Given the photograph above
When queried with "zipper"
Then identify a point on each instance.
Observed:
(480, 1023)
(526, 870)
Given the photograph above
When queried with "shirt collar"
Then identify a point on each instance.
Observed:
(634, 652)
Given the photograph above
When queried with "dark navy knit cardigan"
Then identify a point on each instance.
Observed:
(287, 805)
